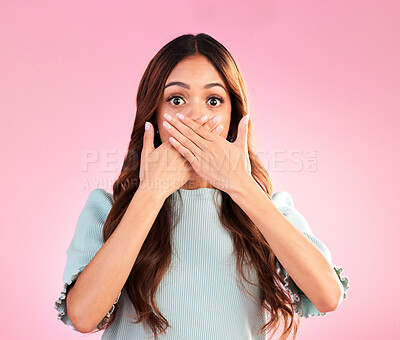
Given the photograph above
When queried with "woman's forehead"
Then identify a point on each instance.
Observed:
(194, 71)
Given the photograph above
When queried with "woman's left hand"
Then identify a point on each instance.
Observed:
(222, 163)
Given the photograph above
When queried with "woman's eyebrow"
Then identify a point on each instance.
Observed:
(186, 86)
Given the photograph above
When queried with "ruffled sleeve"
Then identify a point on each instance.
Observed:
(302, 304)
(87, 240)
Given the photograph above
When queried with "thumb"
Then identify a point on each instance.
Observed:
(241, 139)
(148, 138)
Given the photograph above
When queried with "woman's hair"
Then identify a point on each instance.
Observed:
(250, 247)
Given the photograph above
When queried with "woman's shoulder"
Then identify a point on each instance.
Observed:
(100, 196)
(283, 199)
(95, 210)
(284, 202)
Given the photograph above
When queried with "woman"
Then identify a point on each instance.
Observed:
(192, 244)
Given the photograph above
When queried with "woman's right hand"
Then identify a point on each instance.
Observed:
(164, 169)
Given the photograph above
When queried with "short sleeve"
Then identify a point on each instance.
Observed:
(87, 240)
(303, 305)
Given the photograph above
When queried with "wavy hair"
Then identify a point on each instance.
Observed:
(250, 247)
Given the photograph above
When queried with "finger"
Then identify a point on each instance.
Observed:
(203, 120)
(184, 134)
(217, 129)
(241, 139)
(213, 123)
(192, 130)
(180, 136)
(148, 139)
(210, 123)
(183, 150)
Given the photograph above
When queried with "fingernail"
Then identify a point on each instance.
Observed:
(219, 128)
(246, 119)
(167, 117)
(216, 119)
(147, 126)
(204, 118)
(180, 116)
(166, 124)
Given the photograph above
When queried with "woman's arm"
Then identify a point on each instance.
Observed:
(303, 261)
(99, 284)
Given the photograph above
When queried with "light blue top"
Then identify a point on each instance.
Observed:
(198, 295)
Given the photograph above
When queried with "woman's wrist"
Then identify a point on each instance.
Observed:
(153, 193)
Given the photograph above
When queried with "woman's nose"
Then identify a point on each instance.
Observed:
(194, 110)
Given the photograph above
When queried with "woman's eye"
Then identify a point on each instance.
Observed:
(214, 100)
(175, 100)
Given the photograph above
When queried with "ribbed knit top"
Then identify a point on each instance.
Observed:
(199, 294)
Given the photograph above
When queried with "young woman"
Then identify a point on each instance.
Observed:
(192, 244)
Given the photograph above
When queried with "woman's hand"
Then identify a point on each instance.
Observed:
(164, 169)
(223, 164)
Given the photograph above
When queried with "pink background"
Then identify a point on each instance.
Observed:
(323, 79)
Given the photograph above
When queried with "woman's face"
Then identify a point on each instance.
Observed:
(194, 88)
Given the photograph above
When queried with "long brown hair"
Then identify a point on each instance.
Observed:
(154, 258)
